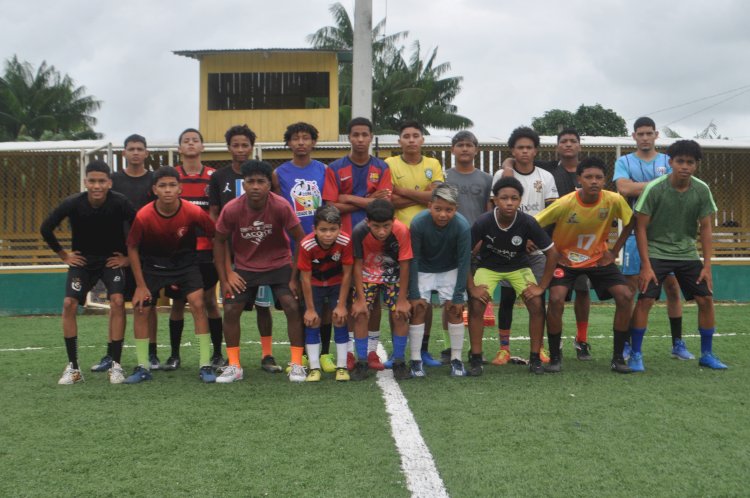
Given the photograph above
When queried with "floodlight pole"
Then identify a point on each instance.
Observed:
(362, 60)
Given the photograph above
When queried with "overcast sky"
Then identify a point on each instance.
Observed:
(518, 58)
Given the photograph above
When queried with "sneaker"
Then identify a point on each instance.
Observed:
(627, 351)
(429, 361)
(313, 375)
(297, 373)
(457, 368)
(635, 362)
(475, 366)
(217, 362)
(680, 352)
(583, 350)
(351, 361)
(173, 363)
(268, 363)
(711, 361)
(619, 365)
(554, 365)
(154, 362)
(104, 364)
(445, 356)
(502, 357)
(342, 375)
(400, 370)
(544, 355)
(140, 374)
(417, 369)
(373, 361)
(207, 374)
(536, 366)
(229, 374)
(361, 371)
(327, 364)
(116, 374)
(72, 376)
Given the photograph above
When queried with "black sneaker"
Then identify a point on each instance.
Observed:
(583, 350)
(555, 364)
(268, 363)
(153, 360)
(536, 366)
(361, 371)
(619, 365)
(400, 370)
(218, 362)
(104, 364)
(475, 366)
(445, 356)
(173, 363)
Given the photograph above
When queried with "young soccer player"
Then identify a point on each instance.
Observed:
(224, 186)
(441, 247)
(325, 264)
(670, 212)
(382, 250)
(161, 247)
(256, 225)
(582, 222)
(97, 218)
(504, 233)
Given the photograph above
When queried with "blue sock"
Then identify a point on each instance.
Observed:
(340, 335)
(399, 346)
(360, 345)
(312, 335)
(707, 336)
(636, 339)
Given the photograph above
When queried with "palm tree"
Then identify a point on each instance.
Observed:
(43, 104)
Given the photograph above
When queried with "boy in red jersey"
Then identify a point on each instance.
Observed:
(325, 264)
(161, 248)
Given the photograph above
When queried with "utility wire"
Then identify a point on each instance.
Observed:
(693, 101)
(709, 107)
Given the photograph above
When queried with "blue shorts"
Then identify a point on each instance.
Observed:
(631, 259)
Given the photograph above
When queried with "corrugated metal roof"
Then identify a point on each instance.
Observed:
(198, 54)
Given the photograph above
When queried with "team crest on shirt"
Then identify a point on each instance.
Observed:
(181, 232)
(660, 170)
(428, 174)
(306, 197)
(603, 213)
(559, 273)
(516, 240)
(538, 185)
(573, 218)
(75, 284)
(575, 257)
(336, 256)
(374, 176)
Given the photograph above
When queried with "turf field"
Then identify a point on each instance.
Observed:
(675, 430)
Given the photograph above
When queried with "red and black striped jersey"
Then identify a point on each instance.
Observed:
(195, 190)
(325, 265)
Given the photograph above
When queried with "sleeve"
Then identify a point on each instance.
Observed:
(708, 206)
(621, 169)
(331, 186)
(464, 263)
(386, 182)
(129, 210)
(214, 191)
(549, 215)
(476, 232)
(645, 203)
(550, 186)
(437, 172)
(290, 219)
(53, 220)
(347, 256)
(136, 232)
(538, 236)
(206, 223)
(358, 236)
(304, 263)
(498, 174)
(416, 248)
(225, 223)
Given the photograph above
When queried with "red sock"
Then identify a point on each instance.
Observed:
(582, 331)
(297, 354)
(266, 345)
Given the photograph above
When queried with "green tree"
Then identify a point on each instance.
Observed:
(553, 121)
(592, 120)
(43, 105)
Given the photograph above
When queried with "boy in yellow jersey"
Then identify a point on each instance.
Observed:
(582, 222)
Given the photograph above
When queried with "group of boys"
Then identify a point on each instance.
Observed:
(331, 243)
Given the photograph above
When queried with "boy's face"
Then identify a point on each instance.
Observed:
(442, 211)
(568, 147)
(380, 229)
(524, 151)
(97, 185)
(167, 189)
(256, 187)
(592, 181)
(683, 167)
(645, 138)
(190, 145)
(411, 140)
(326, 233)
(507, 201)
(464, 151)
(360, 137)
(240, 148)
(301, 144)
(135, 153)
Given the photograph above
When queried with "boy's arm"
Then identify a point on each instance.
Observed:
(310, 318)
(339, 312)
(647, 272)
(275, 185)
(706, 234)
(142, 293)
(403, 308)
(464, 266)
(231, 282)
(47, 230)
(359, 306)
(297, 234)
(550, 264)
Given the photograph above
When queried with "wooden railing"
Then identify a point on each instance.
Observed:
(20, 249)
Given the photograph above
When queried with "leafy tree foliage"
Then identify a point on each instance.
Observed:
(592, 120)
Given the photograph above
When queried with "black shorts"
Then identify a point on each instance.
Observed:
(686, 273)
(277, 280)
(182, 284)
(81, 279)
(582, 285)
(602, 278)
(209, 275)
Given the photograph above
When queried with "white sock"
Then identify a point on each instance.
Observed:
(350, 344)
(456, 334)
(416, 334)
(313, 355)
(341, 350)
(373, 339)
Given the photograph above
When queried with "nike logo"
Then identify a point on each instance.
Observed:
(344, 178)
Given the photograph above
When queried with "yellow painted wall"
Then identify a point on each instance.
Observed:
(269, 124)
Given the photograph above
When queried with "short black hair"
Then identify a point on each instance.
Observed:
(358, 122)
(188, 130)
(99, 167)
(568, 131)
(507, 182)
(135, 138)
(523, 132)
(644, 121)
(410, 123)
(165, 172)
(685, 148)
(464, 136)
(254, 167)
(328, 213)
(240, 130)
(591, 162)
(380, 210)
(300, 127)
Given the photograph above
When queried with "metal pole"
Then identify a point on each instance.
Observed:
(362, 60)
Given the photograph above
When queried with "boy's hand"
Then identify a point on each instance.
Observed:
(454, 310)
(480, 292)
(706, 275)
(647, 276)
(607, 258)
(403, 309)
(359, 307)
(339, 314)
(74, 258)
(311, 318)
(381, 194)
(141, 296)
(418, 304)
(294, 288)
(234, 284)
(532, 290)
(117, 260)
(530, 246)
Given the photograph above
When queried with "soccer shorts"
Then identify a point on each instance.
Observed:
(323, 295)
(277, 280)
(537, 261)
(602, 278)
(389, 292)
(582, 285)
(81, 279)
(686, 273)
(209, 276)
(443, 283)
(180, 284)
(518, 279)
(631, 259)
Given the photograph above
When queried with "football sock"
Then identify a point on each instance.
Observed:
(71, 347)
(399, 347)
(675, 326)
(341, 352)
(296, 353)
(117, 350)
(534, 356)
(553, 341)
(424, 343)
(619, 341)
(204, 349)
(360, 344)
(446, 338)
(707, 336)
(266, 345)
(175, 335)
(505, 309)
(233, 356)
(582, 331)
(151, 348)
(141, 353)
(350, 344)
(340, 335)
(416, 334)
(504, 339)
(325, 338)
(636, 338)
(109, 349)
(217, 334)
(373, 338)
(456, 333)
(313, 354)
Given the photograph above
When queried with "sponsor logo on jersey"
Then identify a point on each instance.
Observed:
(575, 257)
(117, 278)
(227, 188)
(257, 232)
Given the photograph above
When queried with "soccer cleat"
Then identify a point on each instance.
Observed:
(583, 350)
(361, 371)
(400, 370)
(429, 361)
(502, 357)
(342, 375)
(635, 362)
(554, 365)
(536, 366)
(305, 361)
(268, 363)
(230, 373)
(544, 355)
(445, 356)
(351, 361)
(627, 351)
(373, 361)
(711, 361)
(327, 364)
(154, 362)
(173, 363)
(297, 373)
(619, 365)
(217, 362)
(457, 368)
(475, 366)
(417, 369)
(388, 364)
(70, 376)
(207, 374)
(313, 375)
(116, 374)
(104, 364)
(680, 351)
(140, 374)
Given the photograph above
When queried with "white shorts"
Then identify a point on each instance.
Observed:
(443, 283)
